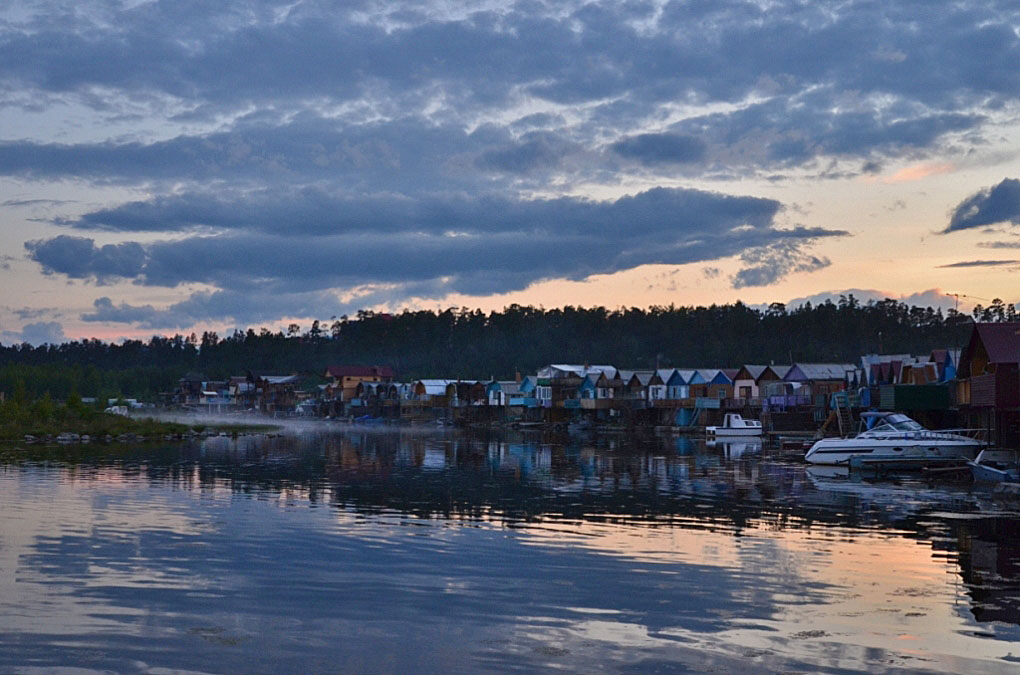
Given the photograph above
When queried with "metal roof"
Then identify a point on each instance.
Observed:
(822, 371)
(665, 373)
(686, 374)
(708, 373)
(506, 386)
(435, 387)
(279, 379)
(754, 371)
(578, 370)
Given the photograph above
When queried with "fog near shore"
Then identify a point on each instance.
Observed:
(288, 425)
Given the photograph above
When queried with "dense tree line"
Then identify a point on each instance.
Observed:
(473, 344)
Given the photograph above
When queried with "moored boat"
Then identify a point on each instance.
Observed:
(892, 435)
(735, 425)
(996, 465)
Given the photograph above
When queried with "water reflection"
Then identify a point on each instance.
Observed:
(399, 551)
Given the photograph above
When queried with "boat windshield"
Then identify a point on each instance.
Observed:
(900, 423)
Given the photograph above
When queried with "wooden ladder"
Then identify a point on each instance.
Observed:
(843, 416)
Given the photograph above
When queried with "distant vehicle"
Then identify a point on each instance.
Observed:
(735, 425)
(893, 434)
(117, 410)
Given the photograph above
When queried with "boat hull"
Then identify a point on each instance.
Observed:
(840, 450)
(723, 431)
(984, 473)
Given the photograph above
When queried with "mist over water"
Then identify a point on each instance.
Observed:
(358, 550)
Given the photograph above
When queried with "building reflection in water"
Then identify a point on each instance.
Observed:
(575, 487)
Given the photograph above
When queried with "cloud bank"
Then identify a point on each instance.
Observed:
(992, 206)
(307, 150)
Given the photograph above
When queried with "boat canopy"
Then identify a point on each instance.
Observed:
(895, 421)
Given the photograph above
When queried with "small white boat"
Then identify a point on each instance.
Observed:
(890, 435)
(735, 425)
(995, 465)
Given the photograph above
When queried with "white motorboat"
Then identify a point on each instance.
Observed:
(735, 425)
(895, 435)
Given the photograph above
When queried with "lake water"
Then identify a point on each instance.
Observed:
(428, 551)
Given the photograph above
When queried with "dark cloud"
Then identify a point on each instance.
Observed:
(314, 211)
(18, 203)
(325, 146)
(982, 263)
(652, 149)
(765, 265)
(543, 151)
(566, 52)
(858, 80)
(791, 132)
(998, 204)
(407, 155)
(479, 246)
(80, 258)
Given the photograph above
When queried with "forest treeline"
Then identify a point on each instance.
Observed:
(463, 343)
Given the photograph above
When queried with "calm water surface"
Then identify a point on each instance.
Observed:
(439, 552)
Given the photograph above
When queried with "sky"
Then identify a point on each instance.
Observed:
(186, 166)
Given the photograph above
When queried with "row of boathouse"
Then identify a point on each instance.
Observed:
(976, 386)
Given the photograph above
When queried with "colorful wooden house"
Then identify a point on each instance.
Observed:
(699, 382)
(501, 392)
(988, 377)
(274, 394)
(434, 393)
(344, 380)
(745, 382)
(678, 387)
(821, 379)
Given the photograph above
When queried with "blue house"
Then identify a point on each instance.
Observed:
(527, 395)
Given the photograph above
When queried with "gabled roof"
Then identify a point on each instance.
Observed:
(509, 387)
(780, 371)
(359, 371)
(708, 374)
(691, 376)
(721, 377)
(644, 377)
(749, 373)
(1001, 341)
(665, 374)
(576, 370)
(819, 371)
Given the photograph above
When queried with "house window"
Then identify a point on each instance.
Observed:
(544, 393)
(722, 393)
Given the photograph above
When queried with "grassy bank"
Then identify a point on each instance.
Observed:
(44, 419)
